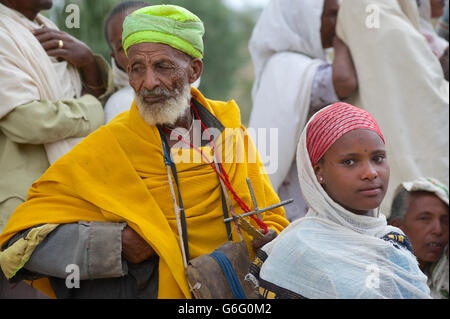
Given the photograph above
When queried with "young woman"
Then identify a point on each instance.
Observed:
(343, 247)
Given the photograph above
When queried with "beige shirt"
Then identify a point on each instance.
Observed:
(40, 103)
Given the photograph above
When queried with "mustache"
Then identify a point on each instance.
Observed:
(156, 92)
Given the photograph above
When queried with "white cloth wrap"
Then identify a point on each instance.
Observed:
(286, 51)
(34, 75)
(334, 253)
(401, 83)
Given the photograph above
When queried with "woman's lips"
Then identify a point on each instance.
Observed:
(370, 191)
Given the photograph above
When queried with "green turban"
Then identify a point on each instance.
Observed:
(168, 24)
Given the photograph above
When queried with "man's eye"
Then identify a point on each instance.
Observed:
(137, 68)
(163, 66)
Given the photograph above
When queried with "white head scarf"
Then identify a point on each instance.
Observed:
(334, 253)
(431, 185)
(286, 50)
(287, 25)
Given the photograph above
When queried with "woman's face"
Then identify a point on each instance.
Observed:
(437, 8)
(329, 20)
(426, 225)
(354, 171)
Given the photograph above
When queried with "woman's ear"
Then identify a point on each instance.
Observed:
(318, 171)
(196, 70)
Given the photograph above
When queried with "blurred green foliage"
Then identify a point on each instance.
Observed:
(228, 73)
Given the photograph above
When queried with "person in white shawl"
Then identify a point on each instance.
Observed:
(343, 248)
(294, 77)
(401, 83)
(428, 10)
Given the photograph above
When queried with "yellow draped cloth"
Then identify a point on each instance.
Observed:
(117, 174)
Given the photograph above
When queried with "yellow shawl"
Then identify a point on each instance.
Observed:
(118, 174)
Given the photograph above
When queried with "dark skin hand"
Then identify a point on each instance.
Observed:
(76, 53)
(258, 243)
(136, 250)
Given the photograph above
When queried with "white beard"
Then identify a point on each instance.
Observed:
(167, 112)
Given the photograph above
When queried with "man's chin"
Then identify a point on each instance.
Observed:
(46, 4)
(161, 110)
(160, 113)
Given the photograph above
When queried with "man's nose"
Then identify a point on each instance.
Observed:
(437, 227)
(151, 80)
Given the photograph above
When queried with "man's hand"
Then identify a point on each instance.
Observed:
(73, 51)
(134, 248)
(258, 243)
(76, 53)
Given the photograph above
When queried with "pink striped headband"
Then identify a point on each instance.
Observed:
(329, 124)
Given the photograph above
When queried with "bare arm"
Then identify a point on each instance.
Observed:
(134, 248)
(345, 80)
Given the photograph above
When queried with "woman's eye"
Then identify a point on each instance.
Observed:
(379, 159)
(348, 162)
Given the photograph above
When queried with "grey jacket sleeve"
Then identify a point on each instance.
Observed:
(95, 248)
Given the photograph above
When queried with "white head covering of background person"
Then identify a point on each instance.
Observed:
(438, 44)
(286, 50)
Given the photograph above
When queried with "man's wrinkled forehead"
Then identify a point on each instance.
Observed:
(148, 50)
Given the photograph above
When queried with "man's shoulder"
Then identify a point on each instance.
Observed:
(227, 112)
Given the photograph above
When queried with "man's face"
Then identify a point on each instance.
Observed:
(161, 77)
(437, 8)
(426, 226)
(329, 19)
(115, 29)
(355, 172)
(34, 5)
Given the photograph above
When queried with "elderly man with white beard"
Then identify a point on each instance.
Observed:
(119, 207)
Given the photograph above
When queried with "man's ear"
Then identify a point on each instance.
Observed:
(195, 70)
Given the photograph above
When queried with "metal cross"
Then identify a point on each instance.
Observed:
(257, 210)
